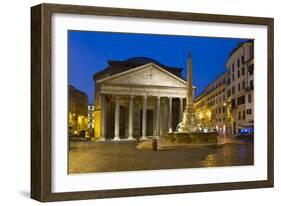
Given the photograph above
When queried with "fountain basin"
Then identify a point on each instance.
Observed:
(192, 137)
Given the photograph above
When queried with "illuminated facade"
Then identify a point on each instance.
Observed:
(211, 106)
(137, 98)
(227, 104)
(77, 109)
(240, 94)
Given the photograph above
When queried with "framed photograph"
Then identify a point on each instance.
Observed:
(130, 102)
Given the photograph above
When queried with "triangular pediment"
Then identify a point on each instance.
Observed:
(148, 74)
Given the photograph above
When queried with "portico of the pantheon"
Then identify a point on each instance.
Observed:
(137, 98)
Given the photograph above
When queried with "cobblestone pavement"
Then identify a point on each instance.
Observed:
(88, 157)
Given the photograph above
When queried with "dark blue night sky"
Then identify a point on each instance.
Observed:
(88, 53)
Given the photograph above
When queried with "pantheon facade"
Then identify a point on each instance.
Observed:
(137, 98)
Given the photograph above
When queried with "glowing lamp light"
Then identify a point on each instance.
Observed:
(208, 113)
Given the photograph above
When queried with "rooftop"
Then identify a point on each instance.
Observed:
(115, 67)
(238, 46)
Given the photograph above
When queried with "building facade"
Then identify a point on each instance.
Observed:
(77, 109)
(240, 68)
(227, 104)
(137, 98)
(211, 106)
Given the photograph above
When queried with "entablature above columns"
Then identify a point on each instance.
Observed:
(140, 90)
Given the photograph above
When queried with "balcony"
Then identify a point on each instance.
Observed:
(250, 88)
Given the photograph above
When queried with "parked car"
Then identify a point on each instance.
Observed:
(72, 133)
(246, 133)
(77, 135)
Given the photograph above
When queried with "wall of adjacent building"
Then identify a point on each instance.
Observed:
(210, 106)
(77, 109)
(229, 98)
(239, 82)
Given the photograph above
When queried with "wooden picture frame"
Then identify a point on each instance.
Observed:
(41, 118)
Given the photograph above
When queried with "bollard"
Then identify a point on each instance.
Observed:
(138, 140)
(154, 144)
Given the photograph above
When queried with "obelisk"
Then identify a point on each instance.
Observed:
(189, 97)
(189, 121)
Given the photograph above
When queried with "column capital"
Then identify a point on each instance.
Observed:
(144, 97)
(131, 96)
(117, 97)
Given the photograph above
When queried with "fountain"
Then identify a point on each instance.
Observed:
(190, 130)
